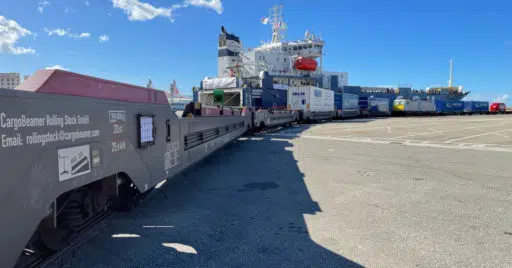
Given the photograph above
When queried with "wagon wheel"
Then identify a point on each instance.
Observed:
(52, 239)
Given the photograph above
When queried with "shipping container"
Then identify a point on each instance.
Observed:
(415, 106)
(449, 107)
(310, 99)
(476, 107)
(498, 107)
(378, 106)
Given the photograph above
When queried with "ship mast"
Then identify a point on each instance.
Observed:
(278, 25)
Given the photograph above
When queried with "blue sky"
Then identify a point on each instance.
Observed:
(376, 42)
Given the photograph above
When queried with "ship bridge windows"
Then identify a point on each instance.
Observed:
(294, 48)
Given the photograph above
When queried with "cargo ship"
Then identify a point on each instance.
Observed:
(261, 76)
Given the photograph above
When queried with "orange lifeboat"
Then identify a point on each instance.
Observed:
(304, 64)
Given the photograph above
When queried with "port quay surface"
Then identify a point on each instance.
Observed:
(388, 192)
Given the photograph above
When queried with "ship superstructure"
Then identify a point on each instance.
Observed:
(277, 57)
(254, 77)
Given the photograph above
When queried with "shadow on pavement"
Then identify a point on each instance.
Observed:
(241, 207)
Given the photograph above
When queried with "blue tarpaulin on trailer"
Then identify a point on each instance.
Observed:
(446, 106)
(363, 102)
(476, 106)
(379, 106)
(266, 98)
(349, 105)
(337, 101)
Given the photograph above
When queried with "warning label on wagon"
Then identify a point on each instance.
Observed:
(74, 162)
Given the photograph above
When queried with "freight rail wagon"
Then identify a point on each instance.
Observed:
(349, 105)
(314, 103)
(498, 107)
(378, 106)
(449, 107)
(476, 107)
(414, 106)
(73, 146)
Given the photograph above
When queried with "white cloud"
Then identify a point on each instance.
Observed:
(84, 35)
(104, 38)
(62, 32)
(502, 98)
(140, 11)
(87, 3)
(10, 32)
(41, 5)
(56, 67)
(59, 32)
(212, 4)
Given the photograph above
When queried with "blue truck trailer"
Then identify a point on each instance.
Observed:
(378, 106)
(346, 105)
(449, 107)
(364, 106)
(476, 107)
(265, 98)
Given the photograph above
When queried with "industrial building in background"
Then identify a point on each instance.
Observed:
(9, 80)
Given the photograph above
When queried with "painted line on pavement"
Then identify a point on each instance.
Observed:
(462, 146)
(477, 135)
